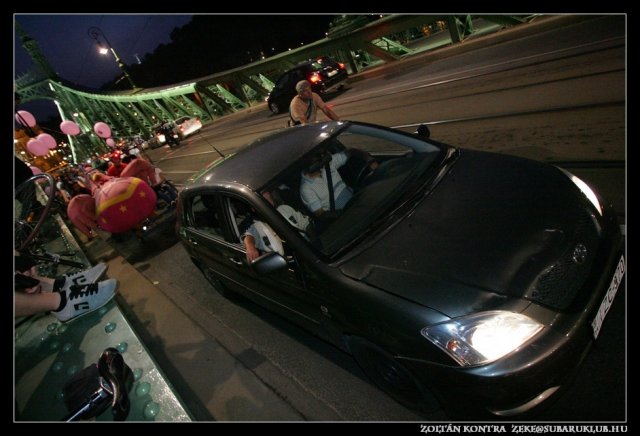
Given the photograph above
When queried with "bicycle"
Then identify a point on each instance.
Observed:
(33, 203)
(35, 198)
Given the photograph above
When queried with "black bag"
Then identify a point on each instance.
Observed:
(84, 393)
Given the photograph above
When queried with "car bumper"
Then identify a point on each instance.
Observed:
(158, 221)
(190, 130)
(334, 83)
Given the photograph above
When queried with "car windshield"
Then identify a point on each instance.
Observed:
(373, 171)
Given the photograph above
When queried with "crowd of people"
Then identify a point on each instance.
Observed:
(70, 296)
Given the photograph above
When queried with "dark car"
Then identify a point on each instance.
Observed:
(324, 74)
(473, 280)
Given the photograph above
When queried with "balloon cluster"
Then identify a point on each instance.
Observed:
(44, 142)
(41, 144)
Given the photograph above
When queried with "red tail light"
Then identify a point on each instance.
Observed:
(315, 77)
(341, 65)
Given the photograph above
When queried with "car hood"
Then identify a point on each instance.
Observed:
(489, 233)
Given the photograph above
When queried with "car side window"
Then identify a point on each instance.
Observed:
(282, 82)
(240, 213)
(296, 76)
(243, 216)
(204, 215)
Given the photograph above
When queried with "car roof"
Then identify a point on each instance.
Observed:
(265, 158)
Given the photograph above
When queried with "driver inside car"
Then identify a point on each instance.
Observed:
(322, 189)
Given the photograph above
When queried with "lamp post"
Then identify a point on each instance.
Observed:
(96, 33)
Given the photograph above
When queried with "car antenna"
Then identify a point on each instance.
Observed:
(212, 146)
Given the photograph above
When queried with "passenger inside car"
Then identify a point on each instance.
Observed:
(296, 218)
(256, 235)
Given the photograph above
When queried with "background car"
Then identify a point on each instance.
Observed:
(324, 74)
(466, 279)
(188, 126)
(165, 133)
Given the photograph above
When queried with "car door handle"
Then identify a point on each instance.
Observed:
(235, 260)
(193, 241)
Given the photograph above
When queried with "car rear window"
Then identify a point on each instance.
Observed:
(321, 63)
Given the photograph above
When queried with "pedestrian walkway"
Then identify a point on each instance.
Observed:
(49, 353)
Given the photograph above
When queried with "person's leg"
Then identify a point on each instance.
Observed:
(30, 304)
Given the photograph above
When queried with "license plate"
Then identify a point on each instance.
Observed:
(332, 73)
(607, 301)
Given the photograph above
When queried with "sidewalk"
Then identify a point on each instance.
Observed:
(216, 382)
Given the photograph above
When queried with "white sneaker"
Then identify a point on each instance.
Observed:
(83, 299)
(85, 277)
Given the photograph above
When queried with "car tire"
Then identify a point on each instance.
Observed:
(273, 106)
(391, 376)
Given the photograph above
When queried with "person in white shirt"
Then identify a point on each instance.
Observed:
(314, 186)
(304, 106)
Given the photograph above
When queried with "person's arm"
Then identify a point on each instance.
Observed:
(324, 108)
(250, 246)
(319, 212)
(330, 114)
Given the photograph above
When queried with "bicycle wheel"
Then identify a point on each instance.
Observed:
(33, 200)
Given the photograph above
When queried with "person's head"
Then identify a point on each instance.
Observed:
(316, 162)
(303, 88)
(115, 158)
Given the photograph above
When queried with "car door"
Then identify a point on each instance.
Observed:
(207, 238)
(284, 290)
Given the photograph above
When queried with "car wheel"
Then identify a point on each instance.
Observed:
(215, 282)
(391, 376)
(273, 106)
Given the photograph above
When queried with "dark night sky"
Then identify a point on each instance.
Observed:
(64, 41)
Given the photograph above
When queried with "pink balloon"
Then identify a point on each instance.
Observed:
(68, 127)
(23, 117)
(102, 129)
(111, 143)
(35, 170)
(37, 147)
(47, 140)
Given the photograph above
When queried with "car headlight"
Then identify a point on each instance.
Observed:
(586, 190)
(483, 337)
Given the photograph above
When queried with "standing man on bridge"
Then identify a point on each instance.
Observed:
(305, 105)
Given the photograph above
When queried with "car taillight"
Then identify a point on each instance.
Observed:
(341, 65)
(315, 77)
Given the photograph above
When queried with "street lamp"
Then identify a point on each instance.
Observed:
(96, 33)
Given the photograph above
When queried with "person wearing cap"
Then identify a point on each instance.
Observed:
(117, 166)
(304, 106)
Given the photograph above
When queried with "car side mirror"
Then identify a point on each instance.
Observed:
(268, 263)
(423, 131)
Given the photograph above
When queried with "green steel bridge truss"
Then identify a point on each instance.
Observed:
(358, 44)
